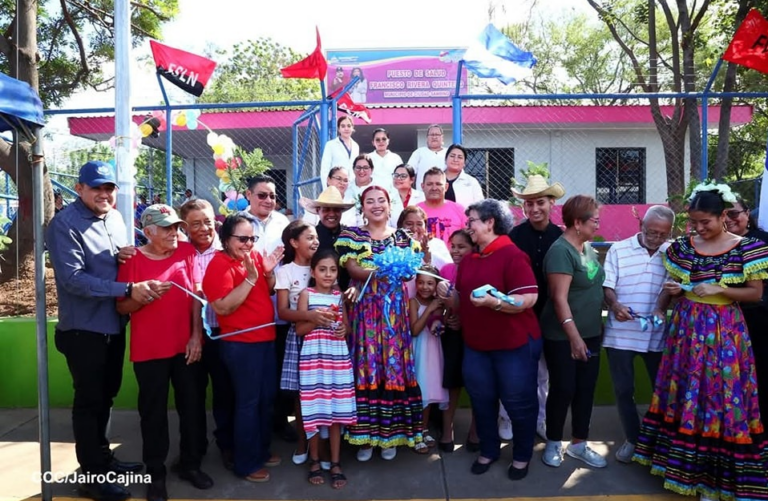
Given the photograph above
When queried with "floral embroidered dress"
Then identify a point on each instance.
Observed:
(389, 408)
(702, 432)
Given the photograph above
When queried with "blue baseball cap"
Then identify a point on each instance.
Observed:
(96, 173)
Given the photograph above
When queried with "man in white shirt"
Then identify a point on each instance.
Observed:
(268, 224)
(431, 155)
(384, 161)
(634, 275)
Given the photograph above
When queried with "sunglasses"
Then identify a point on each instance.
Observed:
(733, 214)
(244, 240)
(263, 196)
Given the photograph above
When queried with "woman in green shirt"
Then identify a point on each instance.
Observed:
(571, 325)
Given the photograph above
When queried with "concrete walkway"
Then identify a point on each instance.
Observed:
(437, 476)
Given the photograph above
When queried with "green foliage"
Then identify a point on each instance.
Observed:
(252, 164)
(251, 72)
(76, 38)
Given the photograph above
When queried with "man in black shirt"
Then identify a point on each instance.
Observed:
(328, 207)
(535, 236)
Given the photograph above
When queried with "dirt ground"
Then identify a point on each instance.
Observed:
(17, 297)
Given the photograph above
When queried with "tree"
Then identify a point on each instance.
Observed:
(251, 73)
(671, 70)
(59, 47)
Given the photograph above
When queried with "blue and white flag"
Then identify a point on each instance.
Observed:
(493, 55)
(762, 213)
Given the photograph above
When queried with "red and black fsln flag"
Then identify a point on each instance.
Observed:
(183, 69)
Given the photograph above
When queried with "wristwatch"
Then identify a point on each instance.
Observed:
(128, 289)
(498, 305)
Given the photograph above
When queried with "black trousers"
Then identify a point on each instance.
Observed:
(154, 377)
(757, 325)
(96, 364)
(222, 394)
(571, 385)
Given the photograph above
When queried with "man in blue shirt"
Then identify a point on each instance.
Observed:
(83, 242)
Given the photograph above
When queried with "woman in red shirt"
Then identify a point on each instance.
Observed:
(238, 283)
(502, 342)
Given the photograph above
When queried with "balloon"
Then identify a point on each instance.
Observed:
(218, 149)
(160, 115)
(225, 178)
(220, 173)
(112, 162)
(222, 210)
(235, 163)
(231, 204)
(242, 204)
(192, 124)
(231, 194)
(212, 138)
(216, 156)
(220, 163)
(145, 129)
(181, 120)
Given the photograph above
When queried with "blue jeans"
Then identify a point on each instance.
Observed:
(252, 369)
(508, 376)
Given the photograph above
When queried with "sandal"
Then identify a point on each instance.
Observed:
(315, 472)
(338, 480)
(431, 442)
(421, 448)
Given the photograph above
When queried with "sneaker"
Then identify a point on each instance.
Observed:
(389, 453)
(582, 452)
(625, 452)
(541, 430)
(299, 458)
(364, 454)
(553, 453)
(505, 429)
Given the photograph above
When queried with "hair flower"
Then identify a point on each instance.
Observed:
(722, 189)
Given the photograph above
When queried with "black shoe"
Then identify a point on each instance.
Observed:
(479, 468)
(156, 491)
(198, 479)
(288, 433)
(517, 473)
(445, 446)
(228, 459)
(124, 466)
(106, 491)
(472, 446)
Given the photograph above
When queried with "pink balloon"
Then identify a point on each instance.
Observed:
(220, 163)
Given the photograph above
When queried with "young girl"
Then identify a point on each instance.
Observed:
(326, 382)
(300, 241)
(453, 349)
(426, 313)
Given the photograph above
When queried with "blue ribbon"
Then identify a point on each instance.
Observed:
(646, 320)
(204, 312)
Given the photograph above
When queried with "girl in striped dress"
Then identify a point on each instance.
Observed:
(326, 382)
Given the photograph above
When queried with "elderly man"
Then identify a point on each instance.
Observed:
(443, 216)
(634, 275)
(268, 226)
(431, 155)
(535, 236)
(166, 344)
(200, 225)
(83, 241)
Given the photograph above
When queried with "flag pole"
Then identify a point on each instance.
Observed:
(704, 121)
(456, 107)
(762, 213)
(123, 156)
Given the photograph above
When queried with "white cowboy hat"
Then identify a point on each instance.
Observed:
(537, 187)
(330, 197)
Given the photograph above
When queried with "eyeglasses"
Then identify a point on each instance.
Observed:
(471, 220)
(362, 167)
(595, 220)
(434, 135)
(400, 176)
(656, 235)
(734, 213)
(263, 196)
(244, 240)
(340, 179)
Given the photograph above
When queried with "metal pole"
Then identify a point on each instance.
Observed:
(41, 321)
(705, 119)
(123, 155)
(456, 107)
(168, 144)
(296, 168)
(323, 119)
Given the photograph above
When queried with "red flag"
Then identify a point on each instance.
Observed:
(749, 46)
(345, 104)
(183, 69)
(312, 66)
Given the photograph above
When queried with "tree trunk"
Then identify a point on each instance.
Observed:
(22, 230)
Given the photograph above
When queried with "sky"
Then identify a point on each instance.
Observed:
(388, 23)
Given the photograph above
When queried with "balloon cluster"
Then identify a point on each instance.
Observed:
(234, 201)
(186, 118)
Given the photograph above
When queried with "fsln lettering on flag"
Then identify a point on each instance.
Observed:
(493, 55)
(187, 71)
(749, 46)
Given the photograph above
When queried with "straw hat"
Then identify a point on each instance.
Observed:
(537, 187)
(330, 197)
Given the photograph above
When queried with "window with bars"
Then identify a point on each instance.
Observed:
(620, 175)
(494, 169)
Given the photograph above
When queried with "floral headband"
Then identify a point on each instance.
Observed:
(722, 189)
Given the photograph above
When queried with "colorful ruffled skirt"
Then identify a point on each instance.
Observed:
(702, 432)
